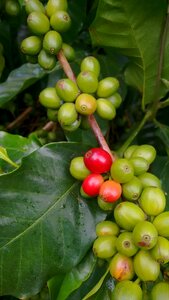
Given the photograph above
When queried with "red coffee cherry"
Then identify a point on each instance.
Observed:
(97, 160)
(110, 191)
(91, 184)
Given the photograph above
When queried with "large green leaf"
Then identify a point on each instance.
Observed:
(46, 227)
(135, 27)
(18, 80)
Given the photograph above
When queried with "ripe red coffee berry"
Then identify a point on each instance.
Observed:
(91, 184)
(97, 160)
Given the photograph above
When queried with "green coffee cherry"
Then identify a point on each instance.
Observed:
(161, 222)
(115, 99)
(125, 244)
(132, 189)
(129, 151)
(149, 179)
(67, 89)
(107, 228)
(105, 109)
(105, 246)
(52, 42)
(38, 23)
(78, 169)
(60, 21)
(105, 206)
(148, 152)
(160, 252)
(68, 52)
(87, 82)
(152, 201)
(12, 7)
(49, 98)
(90, 63)
(107, 87)
(54, 5)
(67, 114)
(31, 45)
(160, 291)
(52, 114)
(126, 290)
(46, 61)
(34, 5)
(140, 165)
(73, 126)
(122, 170)
(86, 104)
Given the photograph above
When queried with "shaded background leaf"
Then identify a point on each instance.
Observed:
(126, 26)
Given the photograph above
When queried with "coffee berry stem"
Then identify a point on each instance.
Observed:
(92, 121)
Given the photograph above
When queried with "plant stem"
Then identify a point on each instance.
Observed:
(66, 66)
(20, 118)
(99, 136)
(92, 121)
(48, 126)
(134, 133)
(163, 104)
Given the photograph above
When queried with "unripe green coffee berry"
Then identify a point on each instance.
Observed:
(46, 61)
(67, 114)
(132, 189)
(104, 246)
(105, 109)
(78, 169)
(34, 5)
(54, 5)
(73, 126)
(60, 21)
(152, 201)
(12, 7)
(52, 114)
(140, 165)
(106, 206)
(68, 52)
(122, 170)
(148, 152)
(49, 98)
(86, 104)
(52, 42)
(90, 63)
(38, 23)
(67, 89)
(31, 45)
(129, 151)
(115, 99)
(125, 244)
(107, 87)
(149, 179)
(87, 82)
(107, 228)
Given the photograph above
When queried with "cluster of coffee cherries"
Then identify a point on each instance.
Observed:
(70, 102)
(46, 23)
(134, 239)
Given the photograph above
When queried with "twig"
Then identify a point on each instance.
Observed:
(20, 118)
(66, 66)
(48, 126)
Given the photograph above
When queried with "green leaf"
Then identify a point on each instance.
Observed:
(77, 276)
(18, 80)
(46, 226)
(127, 25)
(97, 286)
(5, 157)
(16, 146)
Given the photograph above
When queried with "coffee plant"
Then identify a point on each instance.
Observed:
(84, 145)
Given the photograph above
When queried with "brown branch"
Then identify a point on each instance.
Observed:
(66, 66)
(99, 136)
(48, 126)
(20, 118)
